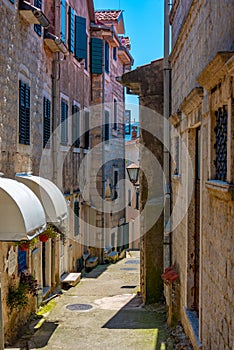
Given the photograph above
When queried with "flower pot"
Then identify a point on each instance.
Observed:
(43, 238)
(23, 247)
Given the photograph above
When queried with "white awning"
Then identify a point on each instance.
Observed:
(49, 195)
(21, 213)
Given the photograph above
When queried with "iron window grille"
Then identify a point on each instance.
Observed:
(221, 143)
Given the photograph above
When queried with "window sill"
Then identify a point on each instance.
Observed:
(220, 189)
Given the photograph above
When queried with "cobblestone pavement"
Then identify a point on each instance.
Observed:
(104, 311)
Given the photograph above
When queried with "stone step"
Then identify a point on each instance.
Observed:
(71, 278)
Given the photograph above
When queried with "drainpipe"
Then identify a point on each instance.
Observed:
(166, 150)
(103, 150)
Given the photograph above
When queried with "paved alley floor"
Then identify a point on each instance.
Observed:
(103, 312)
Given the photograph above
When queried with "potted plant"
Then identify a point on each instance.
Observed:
(24, 245)
(50, 232)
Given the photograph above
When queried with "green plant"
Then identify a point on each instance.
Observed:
(18, 296)
(50, 232)
(26, 244)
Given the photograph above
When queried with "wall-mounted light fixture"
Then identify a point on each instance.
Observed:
(133, 172)
(33, 14)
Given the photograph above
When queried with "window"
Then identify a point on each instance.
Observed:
(221, 144)
(22, 261)
(115, 53)
(63, 20)
(129, 198)
(115, 114)
(115, 183)
(137, 198)
(76, 218)
(37, 27)
(107, 54)
(80, 38)
(64, 122)
(24, 113)
(71, 38)
(96, 55)
(177, 156)
(75, 126)
(86, 134)
(46, 122)
(127, 122)
(107, 126)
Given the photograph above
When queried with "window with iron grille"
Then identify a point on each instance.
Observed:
(221, 143)
(46, 122)
(75, 126)
(76, 218)
(24, 113)
(37, 27)
(64, 122)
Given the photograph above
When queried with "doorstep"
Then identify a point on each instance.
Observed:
(71, 278)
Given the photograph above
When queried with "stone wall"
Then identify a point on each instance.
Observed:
(202, 82)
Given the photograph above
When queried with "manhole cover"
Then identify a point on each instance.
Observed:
(79, 307)
(128, 268)
(132, 262)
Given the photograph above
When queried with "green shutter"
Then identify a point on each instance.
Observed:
(80, 38)
(107, 57)
(64, 121)
(63, 20)
(24, 113)
(71, 29)
(37, 27)
(96, 55)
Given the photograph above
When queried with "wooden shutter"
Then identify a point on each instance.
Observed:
(64, 121)
(76, 218)
(76, 126)
(71, 30)
(96, 55)
(46, 123)
(37, 27)
(80, 38)
(24, 113)
(63, 20)
(107, 55)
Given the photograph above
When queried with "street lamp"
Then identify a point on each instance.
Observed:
(133, 172)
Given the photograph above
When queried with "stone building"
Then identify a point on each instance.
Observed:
(202, 109)
(147, 82)
(110, 58)
(39, 140)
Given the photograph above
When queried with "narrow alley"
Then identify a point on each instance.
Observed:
(104, 311)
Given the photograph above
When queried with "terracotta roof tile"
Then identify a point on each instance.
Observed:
(107, 15)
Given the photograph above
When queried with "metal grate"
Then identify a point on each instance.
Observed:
(221, 143)
(79, 307)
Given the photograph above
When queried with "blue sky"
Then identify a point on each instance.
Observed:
(144, 25)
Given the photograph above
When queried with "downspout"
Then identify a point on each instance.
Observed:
(103, 149)
(166, 147)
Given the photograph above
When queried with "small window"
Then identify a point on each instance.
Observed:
(177, 156)
(114, 53)
(107, 55)
(221, 144)
(107, 126)
(115, 114)
(24, 113)
(37, 27)
(64, 122)
(129, 198)
(137, 198)
(22, 261)
(75, 126)
(46, 122)
(76, 218)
